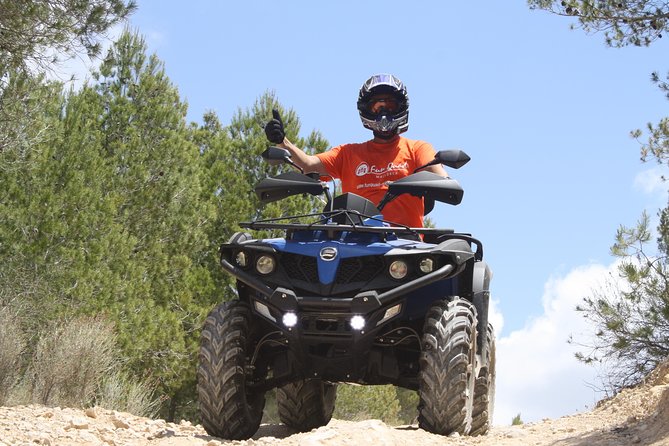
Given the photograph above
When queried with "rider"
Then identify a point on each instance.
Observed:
(366, 168)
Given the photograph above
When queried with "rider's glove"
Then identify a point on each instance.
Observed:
(274, 129)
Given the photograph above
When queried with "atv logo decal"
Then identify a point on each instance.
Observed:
(328, 254)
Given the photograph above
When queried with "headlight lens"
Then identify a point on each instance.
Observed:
(289, 319)
(242, 259)
(426, 265)
(265, 264)
(357, 322)
(398, 269)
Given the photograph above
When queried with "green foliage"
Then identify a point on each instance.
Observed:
(104, 215)
(631, 321)
(232, 165)
(12, 345)
(516, 421)
(113, 206)
(33, 35)
(408, 400)
(357, 403)
(657, 145)
(624, 22)
(31, 30)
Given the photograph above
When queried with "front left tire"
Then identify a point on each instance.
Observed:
(228, 407)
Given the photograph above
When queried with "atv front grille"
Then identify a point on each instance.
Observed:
(300, 267)
(325, 324)
(350, 270)
(359, 269)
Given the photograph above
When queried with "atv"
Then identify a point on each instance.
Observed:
(345, 296)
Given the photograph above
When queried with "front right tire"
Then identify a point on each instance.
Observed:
(447, 364)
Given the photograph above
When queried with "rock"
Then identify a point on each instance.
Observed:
(88, 437)
(77, 423)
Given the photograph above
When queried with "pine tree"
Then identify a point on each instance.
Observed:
(155, 180)
(631, 320)
(232, 166)
(624, 22)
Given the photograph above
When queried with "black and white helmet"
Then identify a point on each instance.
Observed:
(384, 122)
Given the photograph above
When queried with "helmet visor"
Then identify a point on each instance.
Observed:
(379, 104)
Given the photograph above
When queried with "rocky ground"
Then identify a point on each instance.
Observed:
(638, 416)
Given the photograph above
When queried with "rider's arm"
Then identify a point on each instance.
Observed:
(424, 153)
(438, 169)
(310, 163)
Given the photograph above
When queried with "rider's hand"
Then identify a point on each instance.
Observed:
(274, 129)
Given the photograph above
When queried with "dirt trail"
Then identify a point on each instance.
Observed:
(638, 416)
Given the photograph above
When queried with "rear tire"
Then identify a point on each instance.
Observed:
(484, 389)
(446, 368)
(228, 408)
(306, 404)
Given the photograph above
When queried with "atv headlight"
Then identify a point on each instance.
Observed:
(398, 269)
(265, 264)
(357, 322)
(242, 259)
(289, 319)
(426, 265)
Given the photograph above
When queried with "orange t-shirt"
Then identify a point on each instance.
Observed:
(364, 168)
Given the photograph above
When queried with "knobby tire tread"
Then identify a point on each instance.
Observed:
(484, 389)
(228, 410)
(306, 404)
(447, 363)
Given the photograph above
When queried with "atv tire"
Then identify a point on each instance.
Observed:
(228, 408)
(307, 404)
(447, 364)
(484, 389)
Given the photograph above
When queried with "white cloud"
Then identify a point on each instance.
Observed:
(537, 373)
(650, 181)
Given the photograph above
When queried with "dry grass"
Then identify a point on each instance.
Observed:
(73, 363)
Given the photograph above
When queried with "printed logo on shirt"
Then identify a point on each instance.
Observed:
(365, 169)
(362, 169)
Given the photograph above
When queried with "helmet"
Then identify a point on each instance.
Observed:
(384, 123)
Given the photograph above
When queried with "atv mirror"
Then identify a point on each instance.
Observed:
(277, 155)
(451, 158)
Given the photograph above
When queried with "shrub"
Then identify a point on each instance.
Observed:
(121, 392)
(70, 360)
(357, 403)
(12, 345)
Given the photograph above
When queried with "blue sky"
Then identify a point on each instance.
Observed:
(544, 111)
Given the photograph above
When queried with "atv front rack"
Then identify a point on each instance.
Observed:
(324, 222)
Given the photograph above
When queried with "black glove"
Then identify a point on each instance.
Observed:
(274, 128)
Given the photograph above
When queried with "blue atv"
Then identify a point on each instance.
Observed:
(347, 297)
